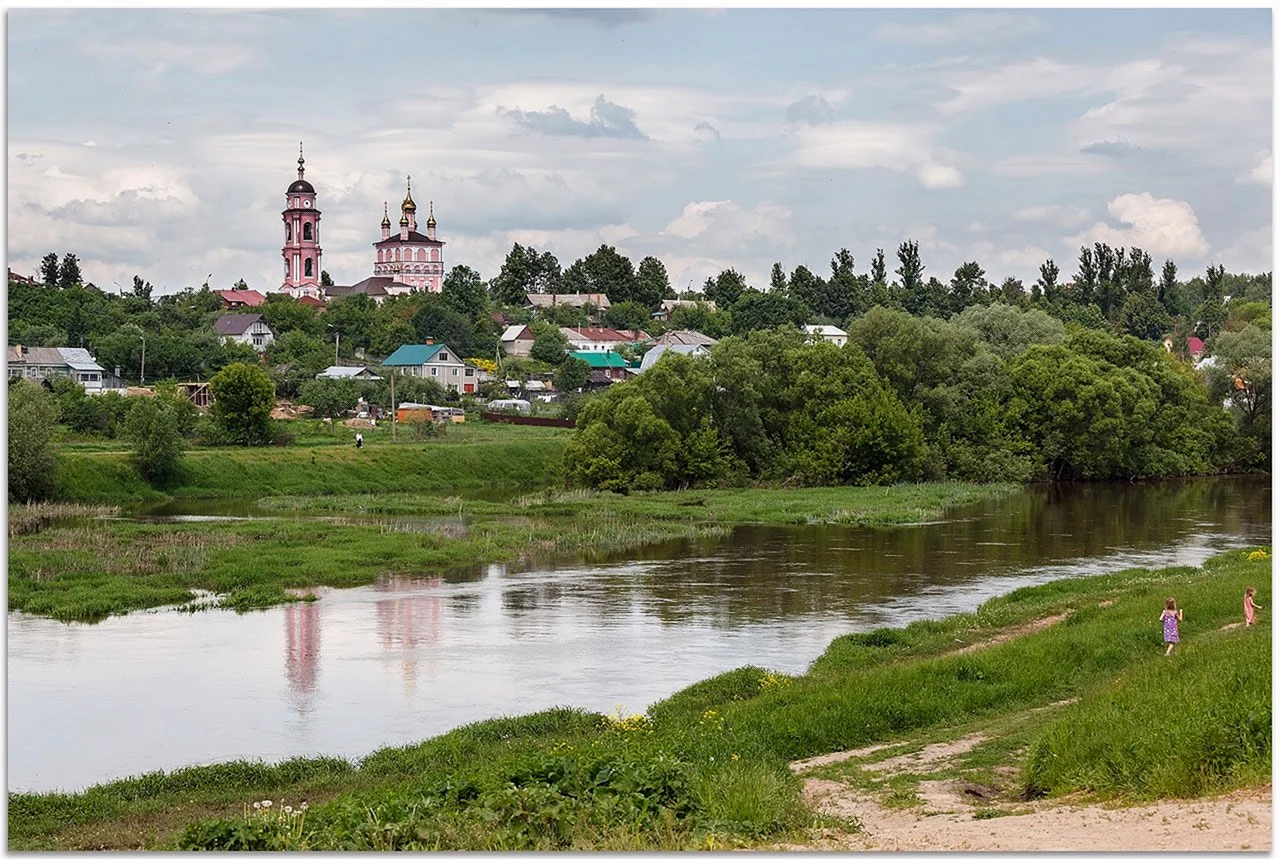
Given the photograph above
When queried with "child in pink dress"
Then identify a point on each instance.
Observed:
(1249, 605)
(1170, 617)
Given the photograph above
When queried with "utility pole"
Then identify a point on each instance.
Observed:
(142, 382)
(337, 338)
(393, 404)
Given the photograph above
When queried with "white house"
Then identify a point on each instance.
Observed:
(517, 340)
(246, 328)
(600, 339)
(830, 333)
(40, 362)
(437, 362)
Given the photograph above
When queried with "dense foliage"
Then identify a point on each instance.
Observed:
(243, 398)
(995, 394)
(32, 466)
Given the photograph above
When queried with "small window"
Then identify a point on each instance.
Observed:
(288, 231)
(444, 356)
(433, 371)
(306, 232)
(455, 372)
(306, 268)
(257, 340)
(470, 372)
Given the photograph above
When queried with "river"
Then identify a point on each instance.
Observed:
(413, 656)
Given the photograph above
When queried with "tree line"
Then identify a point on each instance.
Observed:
(994, 393)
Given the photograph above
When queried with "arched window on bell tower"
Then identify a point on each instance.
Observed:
(306, 231)
(306, 268)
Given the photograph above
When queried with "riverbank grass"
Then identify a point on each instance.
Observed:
(708, 767)
(87, 569)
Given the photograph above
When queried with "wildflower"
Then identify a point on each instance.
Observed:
(1257, 556)
(257, 805)
(304, 805)
(734, 757)
(266, 803)
(288, 809)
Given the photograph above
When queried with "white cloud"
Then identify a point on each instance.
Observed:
(938, 176)
(1161, 227)
(859, 145)
(1252, 252)
(970, 26)
(1261, 173)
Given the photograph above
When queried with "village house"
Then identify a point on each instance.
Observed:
(538, 300)
(246, 328)
(600, 339)
(685, 338)
(651, 357)
(517, 340)
(40, 362)
(360, 374)
(830, 333)
(663, 313)
(608, 366)
(1195, 347)
(437, 362)
(239, 298)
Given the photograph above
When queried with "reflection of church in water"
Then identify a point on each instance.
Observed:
(302, 651)
(407, 622)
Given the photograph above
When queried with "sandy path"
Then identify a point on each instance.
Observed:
(1239, 821)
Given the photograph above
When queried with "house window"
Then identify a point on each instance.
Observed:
(15, 372)
(470, 372)
(444, 356)
(455, 372)
(433, 371)
(257, 340)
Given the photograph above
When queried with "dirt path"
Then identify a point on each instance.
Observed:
(1239, 821)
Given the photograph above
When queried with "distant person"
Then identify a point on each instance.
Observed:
(359, 440)
(1170, 617)
(1249, 605)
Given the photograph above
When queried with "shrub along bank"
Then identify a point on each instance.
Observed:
(708, 766)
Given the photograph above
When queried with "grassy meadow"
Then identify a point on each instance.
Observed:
(707, 767)
(467, 456)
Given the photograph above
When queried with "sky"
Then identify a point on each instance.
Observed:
(159, 142)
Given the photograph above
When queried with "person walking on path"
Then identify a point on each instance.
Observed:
(1249, 605)
(1170, 617)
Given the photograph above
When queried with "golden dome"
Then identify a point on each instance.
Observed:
(386, 220)
(408, 205)
(431, 213)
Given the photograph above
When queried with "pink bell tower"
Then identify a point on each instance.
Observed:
(301, 238)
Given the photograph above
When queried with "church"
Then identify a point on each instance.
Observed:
(404, 261)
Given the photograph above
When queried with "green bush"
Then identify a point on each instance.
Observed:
(32, 465)
(243, 398)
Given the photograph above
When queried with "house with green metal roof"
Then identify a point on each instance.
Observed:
(434, 361)
(605, 366)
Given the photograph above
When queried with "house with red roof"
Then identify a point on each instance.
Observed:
(600, 339)
(235, 299)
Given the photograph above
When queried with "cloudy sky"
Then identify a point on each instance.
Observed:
(160, 142)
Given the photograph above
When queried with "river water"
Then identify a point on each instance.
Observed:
(413, 656)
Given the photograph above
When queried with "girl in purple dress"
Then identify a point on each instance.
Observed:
(1170, 617)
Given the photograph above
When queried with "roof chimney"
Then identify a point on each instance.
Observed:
(430, 342)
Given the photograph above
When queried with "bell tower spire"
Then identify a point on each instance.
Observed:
(301, 249)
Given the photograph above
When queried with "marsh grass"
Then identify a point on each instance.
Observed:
(32, 518)
(93, 569)
(711, 770)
